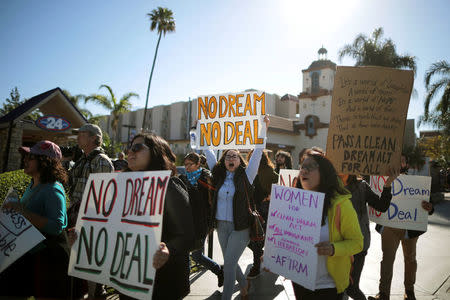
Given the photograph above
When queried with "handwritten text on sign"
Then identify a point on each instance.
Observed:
(231, 121)
(293, 228)
(405, 211)
(17, 237)
(119, 230)
(288, 177)
(368, 116)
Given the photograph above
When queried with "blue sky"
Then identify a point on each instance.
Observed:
(218, 46)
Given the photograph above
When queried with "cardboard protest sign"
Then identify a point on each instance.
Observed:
(368, 115)
(119, 230)
(405, 211)
(231, 121)
(17, 237)
(288, 177)
(293, 228)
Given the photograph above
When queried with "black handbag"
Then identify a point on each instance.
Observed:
(256, 222)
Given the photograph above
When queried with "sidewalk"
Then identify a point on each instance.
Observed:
(433, 275)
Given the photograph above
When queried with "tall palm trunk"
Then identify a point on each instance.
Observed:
(150, 80)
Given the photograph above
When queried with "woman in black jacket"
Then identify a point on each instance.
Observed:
(199, 183)
(233, 181)
(150, 152)
(362, 195)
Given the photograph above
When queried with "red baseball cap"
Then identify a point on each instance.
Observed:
(46, 148)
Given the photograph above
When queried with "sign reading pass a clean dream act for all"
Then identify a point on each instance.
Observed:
(368, 115)
(231, 121)
(293, 228)
(119, 230)
(405, 210)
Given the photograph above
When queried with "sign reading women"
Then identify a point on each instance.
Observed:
(231, 121)
(405, 210)
(293, 228)
(368, 115)
(119, 230)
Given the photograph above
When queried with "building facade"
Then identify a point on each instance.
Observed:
(297, 122)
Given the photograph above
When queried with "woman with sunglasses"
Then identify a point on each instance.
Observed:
(340, 234)
(149, 152)
(42, 271)
(199, 183)
(233, 179)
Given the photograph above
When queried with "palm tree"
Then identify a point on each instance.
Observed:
(377, 52)
(116, 107)
(438, 68)
(75, 100)
(162, 20)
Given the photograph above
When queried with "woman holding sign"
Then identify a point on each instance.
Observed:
(390, 240)
(42, 271)
(340, 235)
(149, 152)
(233, 179)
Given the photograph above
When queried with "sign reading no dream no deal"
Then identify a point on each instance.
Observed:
(119, 230)
(368, 115)
(288, 177)
(293, 228)
(405, 210)
(231, 121)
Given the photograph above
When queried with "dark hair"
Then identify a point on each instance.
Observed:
(265, 161)
(287, 158)
(161, 156)
(329, 184)
(219, 171)
(352, 179)
(50, 170)
(194, 157)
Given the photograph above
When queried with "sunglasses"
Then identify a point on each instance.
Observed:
(309, 167)
(137, 147)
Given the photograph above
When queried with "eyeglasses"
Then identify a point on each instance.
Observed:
(137, 147)
(309, 167)
(230, 157)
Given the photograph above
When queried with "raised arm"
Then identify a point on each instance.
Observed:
(211, 159)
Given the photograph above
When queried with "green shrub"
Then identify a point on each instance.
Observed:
(16, 179)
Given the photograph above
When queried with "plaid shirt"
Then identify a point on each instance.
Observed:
(79, 176)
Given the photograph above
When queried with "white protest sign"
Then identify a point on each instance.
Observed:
(17, 237)
(288, 177)
(293, 228)
(405, 211)
(231, 121)
(119, 230)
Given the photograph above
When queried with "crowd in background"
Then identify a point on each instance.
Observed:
(212, 194)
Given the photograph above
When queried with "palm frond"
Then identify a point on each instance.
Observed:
(432, 91)
(438, 68)
(99, 99)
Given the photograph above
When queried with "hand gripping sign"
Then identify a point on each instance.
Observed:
(119, 230)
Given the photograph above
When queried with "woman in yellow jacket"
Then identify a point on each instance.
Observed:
(340, 235)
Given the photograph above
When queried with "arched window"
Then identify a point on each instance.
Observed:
(315, 83)
(310, 126)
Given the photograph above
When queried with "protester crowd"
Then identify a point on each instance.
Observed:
(212, 195)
